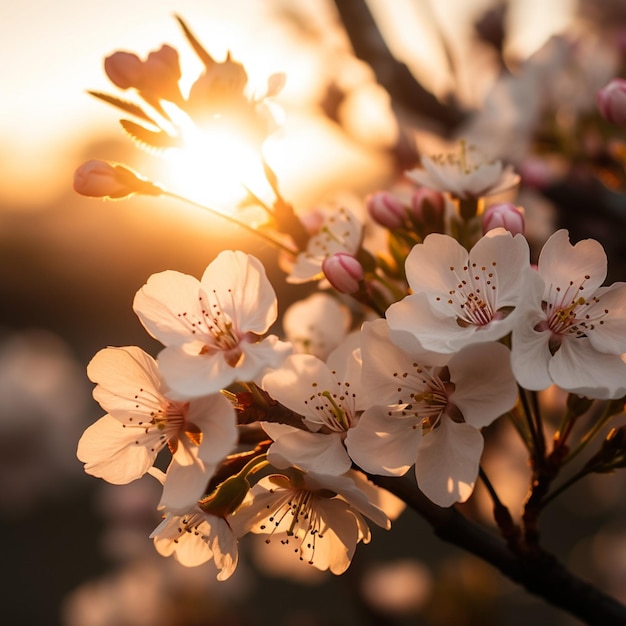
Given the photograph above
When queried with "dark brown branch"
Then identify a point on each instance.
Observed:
(403, 88)
(539, 573)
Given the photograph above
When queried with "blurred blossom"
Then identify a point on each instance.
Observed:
(317, 324)
(386, 209)
(506, 216)
(156, 592)
(43, 399)
(397, 587)
(609, 558)
(465, 174)
(611, 101)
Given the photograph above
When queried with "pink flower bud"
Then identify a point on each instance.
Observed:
(504, 215)
(386, 209)
(124, 69)
(101, 179)
(428, 210)
(343, 272)
(611, 101)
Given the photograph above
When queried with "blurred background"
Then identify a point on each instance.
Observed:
(370, 86)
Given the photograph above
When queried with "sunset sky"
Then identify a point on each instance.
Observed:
(53, 53)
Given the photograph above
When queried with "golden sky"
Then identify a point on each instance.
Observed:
(52, 53)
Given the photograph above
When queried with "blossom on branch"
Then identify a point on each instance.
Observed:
(575, 332)
(459, 298)
(427, 409)
(317, 517)
(212, 328)
(142, 419)
(465, 174)
(327, 395)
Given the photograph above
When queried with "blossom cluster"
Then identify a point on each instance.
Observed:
(456, 325)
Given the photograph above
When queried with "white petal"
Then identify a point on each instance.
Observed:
(484, 385)
(383, 441)
(167, 305)
(447, 462)
(579, 368)
(117, 454)
(215, 417)
(243, 290)
(530, 352)
(314, 452)
(609, 334)
(185, 482)
(121, 374)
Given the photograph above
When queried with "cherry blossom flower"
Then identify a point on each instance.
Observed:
(319, 518)
(317, 324)
(327, 396)
(211, 328)
(460, 298)
(194, 537)
(340, 231)
(142, 419)
(466, 174)
(575, 332)
(427, 409)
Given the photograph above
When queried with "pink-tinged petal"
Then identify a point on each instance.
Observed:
(561, 264)
(168, 307)
(186, 480)
(447, 462)
(384, 441)
(428, 264)
(121, 374)
(509, 260)
(118, 455)
(258, 357)
(437, 331)
(243, 290)
(314, 452)
(215, 417)
(301, 377)
(577, 367)
(484, 385)
(391, 505)
(608, 318)
(530, 353)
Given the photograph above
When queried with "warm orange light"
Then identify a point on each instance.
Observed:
(215, 166)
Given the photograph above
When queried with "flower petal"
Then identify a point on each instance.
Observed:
(447, 462)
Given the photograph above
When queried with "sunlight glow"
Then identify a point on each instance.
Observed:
(215, 166)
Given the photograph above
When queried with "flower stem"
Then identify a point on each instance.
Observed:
(232, 220)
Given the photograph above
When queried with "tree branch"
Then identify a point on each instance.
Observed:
(538, 572)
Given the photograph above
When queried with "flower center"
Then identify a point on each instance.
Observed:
(296, 516)
(473, 296)
(428, 396)
(569, 314)
(334, 410)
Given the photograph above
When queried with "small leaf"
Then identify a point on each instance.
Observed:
(204, 56)
(129, 107)
(149, 138)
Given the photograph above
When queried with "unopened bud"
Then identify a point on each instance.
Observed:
(505, 215)
(101, 179)
(343, 272)
(611, 101)
(428, 210)
(386, 209)
(124, 69)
